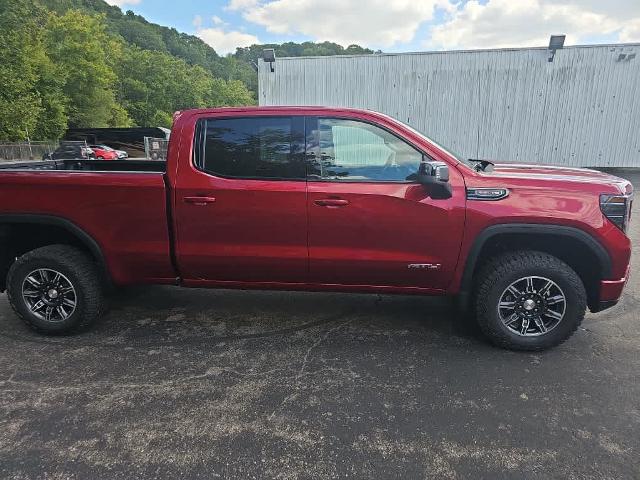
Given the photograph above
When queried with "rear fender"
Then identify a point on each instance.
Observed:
(12, 245)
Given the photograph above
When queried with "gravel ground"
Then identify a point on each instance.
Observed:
(178, 383)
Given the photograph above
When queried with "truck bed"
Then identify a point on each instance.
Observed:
(133, 165)
(121, 205)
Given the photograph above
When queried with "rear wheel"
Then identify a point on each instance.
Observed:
(529, 300)
(55, 289)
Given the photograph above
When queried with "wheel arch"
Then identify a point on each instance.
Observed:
(21, 233)
(577, 248)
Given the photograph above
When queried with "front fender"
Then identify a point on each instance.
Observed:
(588, 241)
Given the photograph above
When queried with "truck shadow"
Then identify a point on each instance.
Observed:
(161, 316)
(239, 314)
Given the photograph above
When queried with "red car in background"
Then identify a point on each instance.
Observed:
(103, 152)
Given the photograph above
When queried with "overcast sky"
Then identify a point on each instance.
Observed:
(397, 25)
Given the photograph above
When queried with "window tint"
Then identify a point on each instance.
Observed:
(257, 147)
(349, 150)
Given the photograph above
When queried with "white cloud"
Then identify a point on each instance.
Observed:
(472, 24)
(509, 23)
(376, 23)
(221, 40)
(122, 3)
(241, 4)
(225, 42)
(631, 32)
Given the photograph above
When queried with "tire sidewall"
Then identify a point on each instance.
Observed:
(17, 277)
(574, 310)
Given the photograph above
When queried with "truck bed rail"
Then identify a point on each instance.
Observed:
(129, 165)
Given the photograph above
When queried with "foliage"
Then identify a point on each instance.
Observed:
(86, 57)
(305, 49)
(30, 101)
(153, 85)
(52, 120)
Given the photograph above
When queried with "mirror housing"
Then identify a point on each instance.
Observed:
(435, 176)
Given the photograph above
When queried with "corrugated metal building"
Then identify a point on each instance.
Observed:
(581, 109)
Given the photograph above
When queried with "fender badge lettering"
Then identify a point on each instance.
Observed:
(425, 266)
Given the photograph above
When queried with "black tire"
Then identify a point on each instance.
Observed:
(77, 268)
(499, 273)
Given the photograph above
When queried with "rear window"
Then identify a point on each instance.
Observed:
(255, 147)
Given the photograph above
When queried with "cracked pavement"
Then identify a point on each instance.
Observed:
(177, 383)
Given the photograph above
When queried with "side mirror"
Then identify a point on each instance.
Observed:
(435, 176)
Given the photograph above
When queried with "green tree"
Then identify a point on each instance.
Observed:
(139, 32)
(228, 93)
(86, 56)
(153, 85)
(52, 120)
(31, 102)
(292, 49)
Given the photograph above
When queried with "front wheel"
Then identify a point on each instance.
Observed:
(55, 289)
(529, 300)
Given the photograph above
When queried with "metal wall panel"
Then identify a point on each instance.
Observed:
(582, 109)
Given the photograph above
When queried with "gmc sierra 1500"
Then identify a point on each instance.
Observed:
(310, 198)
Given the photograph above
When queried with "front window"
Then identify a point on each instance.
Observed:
(350, 150)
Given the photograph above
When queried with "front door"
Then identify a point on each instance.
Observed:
(240, 206)
(369, 223)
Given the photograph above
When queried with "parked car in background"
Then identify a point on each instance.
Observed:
(310, 198)
(104, 152)
(132, 139)
(69, 150)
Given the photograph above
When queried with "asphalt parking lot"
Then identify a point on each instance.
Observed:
(230, 384)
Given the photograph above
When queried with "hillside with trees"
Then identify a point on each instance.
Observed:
(84, 63)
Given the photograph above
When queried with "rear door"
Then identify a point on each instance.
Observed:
(369, 223)
(240, 205)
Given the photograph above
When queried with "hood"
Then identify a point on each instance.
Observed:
(551, 172)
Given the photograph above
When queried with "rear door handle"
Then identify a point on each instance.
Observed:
(199, 200)
(332, 202)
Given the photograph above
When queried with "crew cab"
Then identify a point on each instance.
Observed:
(324, 199)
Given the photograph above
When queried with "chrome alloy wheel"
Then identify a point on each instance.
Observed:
(532, 306)
(49, 295)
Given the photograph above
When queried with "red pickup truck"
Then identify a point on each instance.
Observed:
(310, 198)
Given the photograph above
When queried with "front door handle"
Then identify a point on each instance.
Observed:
(332, 202)
(200, 201)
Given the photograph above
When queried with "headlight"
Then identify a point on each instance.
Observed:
(617, 208)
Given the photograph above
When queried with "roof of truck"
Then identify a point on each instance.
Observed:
(279, 108)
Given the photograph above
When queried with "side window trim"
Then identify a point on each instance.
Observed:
(199, 141)
(198, 144)
(312, 124)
